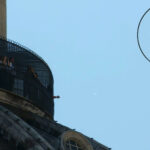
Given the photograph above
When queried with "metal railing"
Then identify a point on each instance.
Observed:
(26, 85)
(23, 57)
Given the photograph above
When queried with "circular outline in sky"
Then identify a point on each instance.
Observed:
(138, 34)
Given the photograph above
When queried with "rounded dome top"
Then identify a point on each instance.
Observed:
(31, 77)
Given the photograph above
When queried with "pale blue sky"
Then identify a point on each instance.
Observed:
(91, 48)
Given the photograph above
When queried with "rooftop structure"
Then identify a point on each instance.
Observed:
(30, 78)
(27, 102)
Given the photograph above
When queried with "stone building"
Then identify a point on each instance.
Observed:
(27, 102)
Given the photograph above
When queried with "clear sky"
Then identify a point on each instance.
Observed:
(99, 72)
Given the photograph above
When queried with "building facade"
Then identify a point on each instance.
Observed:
(27, 102)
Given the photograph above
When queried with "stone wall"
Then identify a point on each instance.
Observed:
(24, 127)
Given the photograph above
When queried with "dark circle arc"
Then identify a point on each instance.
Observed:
(138, 29)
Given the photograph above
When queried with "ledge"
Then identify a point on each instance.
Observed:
(16, 101)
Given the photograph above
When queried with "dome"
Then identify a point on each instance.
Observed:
(30, 77)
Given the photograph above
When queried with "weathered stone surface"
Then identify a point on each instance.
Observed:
(16, 101)
(27, 129)
(14, 128)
